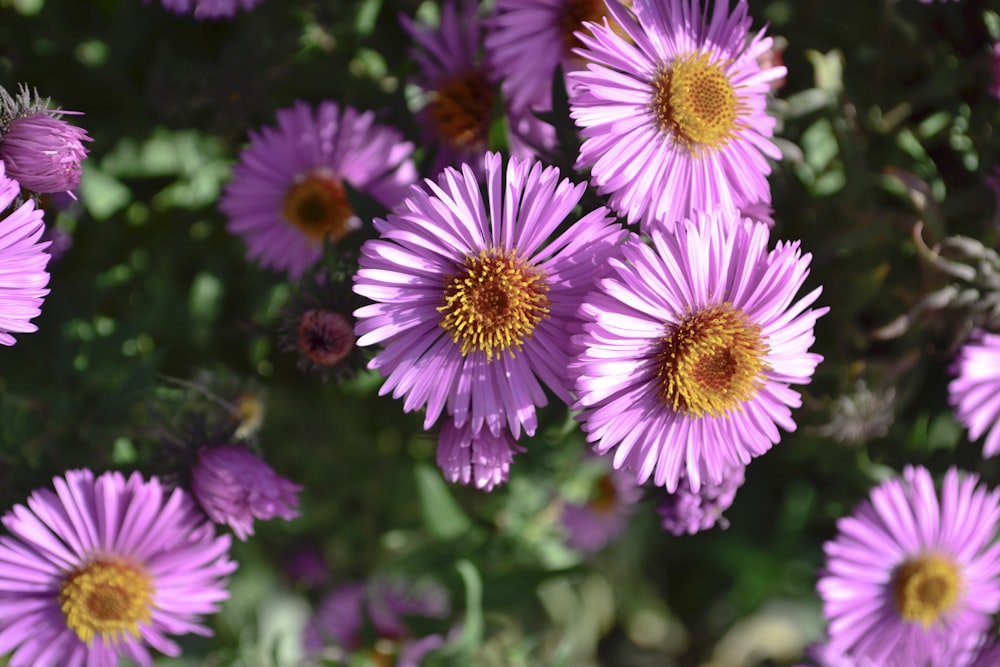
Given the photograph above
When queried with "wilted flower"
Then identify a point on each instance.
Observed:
(103, 568)
(691, 511)
(235, 487)
(860, 416)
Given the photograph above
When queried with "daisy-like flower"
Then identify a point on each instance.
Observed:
(473, 457)
(912, 576)
(974, 390)
(690, 348)
(234, 487)
(673, 111)
(289, 191)
(692, 511)
(604, 516)
(23, 259)
(106, 567)
(208, 9)
(476, 300)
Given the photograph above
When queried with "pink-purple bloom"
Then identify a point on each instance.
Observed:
(690, 348)
(208, 9)
(106, 567)
(690, 511)
(912, 576)
(475, 300)
(289, 192)
(23, 260)
(672, 110)
(43, 152)
(975, 390)
(476, 458)
(592, 524)
(235, 487)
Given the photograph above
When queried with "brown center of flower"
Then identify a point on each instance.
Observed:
(695, 102)
(571, 20)
(605, 495)
(325, 336)
(106, 598)
(494, 303)
(318, 206)
(711, 362)
(925, 587)
(461, 110)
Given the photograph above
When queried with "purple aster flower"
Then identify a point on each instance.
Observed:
(103, 568)
(368, 619)
(289, 190)
(911, 576)
(43, 152)
(208, 9)
(468, 457)
(23, 259)
(604, 516)
(975, 391)
(692, 511)
(690, 347)
(476, 300)
(235, 487)
(673, 111)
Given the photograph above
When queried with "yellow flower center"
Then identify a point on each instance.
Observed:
(106, 598)
(711, 362)
(318, 206)
(694, 102)
(925, 587)
(494, 303)
(461, 110)
(574, 13)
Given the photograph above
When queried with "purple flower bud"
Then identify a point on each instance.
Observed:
(42, 152)
(479, 458)
(687, 511)
(234, 487)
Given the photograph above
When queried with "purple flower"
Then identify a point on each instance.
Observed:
(604, 516)
(289, 191)
(208, 9)
(672, 110)
(692, 511)
(475, 300)
(479, 458)
(23, 259)
(43, 152)
(103, 568)
(235, 487)
(975, 391)
(690, 347)
(381, 605)
(912, 577)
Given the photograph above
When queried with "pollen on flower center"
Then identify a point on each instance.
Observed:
(494, 303)
(695, 102)
(106, 598)
(318, 206)
(711, 362)
(925, 587)
(461, 110)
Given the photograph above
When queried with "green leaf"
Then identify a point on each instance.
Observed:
(442, 515)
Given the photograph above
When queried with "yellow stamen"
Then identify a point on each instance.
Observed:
(106, 598)
(461, 110)
(925, 587)
(494, 303)
(711, 362)
(318, 206)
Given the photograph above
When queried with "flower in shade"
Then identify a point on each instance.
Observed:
(690, 347)
(604, 516)
(290, 190)
(672, 109)
(691, 511)
(235, 487)
(912, 576)
(106, 567)
(208, 9)
(41, 151)
(473, 457)
(475, 300)
(369, 620)
(23, 259)
(975, 390)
